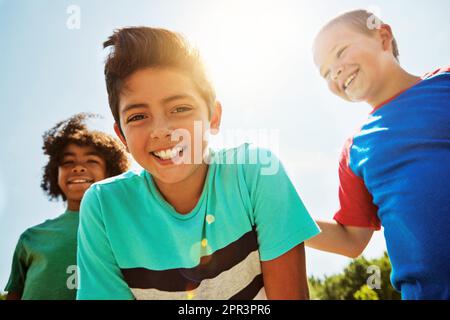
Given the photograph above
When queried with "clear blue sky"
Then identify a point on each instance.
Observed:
(259, 56)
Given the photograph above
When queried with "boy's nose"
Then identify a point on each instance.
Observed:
(78, 168)
(161, 132)
(336, 73)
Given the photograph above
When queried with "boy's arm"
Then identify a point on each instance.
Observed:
(337, 238)
(356, 219)
(19, 269)
(13, 296)
(282, 225)
(285, 276)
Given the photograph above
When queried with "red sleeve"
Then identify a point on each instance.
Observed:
(356, 203)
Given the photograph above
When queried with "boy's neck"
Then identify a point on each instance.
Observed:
(73, 205)
(184, 195)
(397, 81)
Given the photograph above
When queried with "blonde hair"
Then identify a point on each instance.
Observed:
(362, 21)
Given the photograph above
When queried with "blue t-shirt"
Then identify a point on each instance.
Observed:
(133, 244)
(395, 173)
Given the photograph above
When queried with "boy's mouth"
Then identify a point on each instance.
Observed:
(80, 181)
(169, 154)
(350, 80)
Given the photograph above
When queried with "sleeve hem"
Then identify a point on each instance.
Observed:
(289, 243)
(357, 222)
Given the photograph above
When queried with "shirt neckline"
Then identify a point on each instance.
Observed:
(71, 212)
(168, 207)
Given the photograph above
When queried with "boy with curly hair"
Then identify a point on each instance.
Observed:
(45, 255)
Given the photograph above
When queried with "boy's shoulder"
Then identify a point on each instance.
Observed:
(424, 89)
(129, 183)
(432, 86)
(245, 154)
(436, 72)
(232, 150)
(126, 178)
(250, 159)
(46, 225)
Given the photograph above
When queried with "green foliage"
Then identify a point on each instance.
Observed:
(366, 293)
(353, 283)
(2, 296)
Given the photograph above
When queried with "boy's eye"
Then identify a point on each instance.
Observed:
(325, 76)
(340, 52)
(67, 162)
(181, 109)
(136, 117)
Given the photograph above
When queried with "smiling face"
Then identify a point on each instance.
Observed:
(354, 64)
(155, 105)
(80, 166)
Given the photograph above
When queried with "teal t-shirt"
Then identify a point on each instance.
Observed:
(132, 244)
(44, 261)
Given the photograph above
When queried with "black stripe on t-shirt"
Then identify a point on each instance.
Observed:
(250, 291)
(184, 279)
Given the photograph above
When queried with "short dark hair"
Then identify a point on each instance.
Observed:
(74, 130)
(360, 21)
(135, 48)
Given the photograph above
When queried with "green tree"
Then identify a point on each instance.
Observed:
(353, 284)
(366, 293)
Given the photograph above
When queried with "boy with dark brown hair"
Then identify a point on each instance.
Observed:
(187, 226)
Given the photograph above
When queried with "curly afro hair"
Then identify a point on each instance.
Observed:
(74, 130)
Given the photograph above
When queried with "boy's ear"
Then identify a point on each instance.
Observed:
(120, 135)
(385, 33)
(216, 118)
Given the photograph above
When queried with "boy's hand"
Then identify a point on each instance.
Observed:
(285, 276)
(340, 239)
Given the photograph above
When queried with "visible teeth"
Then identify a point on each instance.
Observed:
(80, 181)
(169, 153)
(349, 80)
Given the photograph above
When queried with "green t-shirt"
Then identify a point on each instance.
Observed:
(132, 244)
(44, 262)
